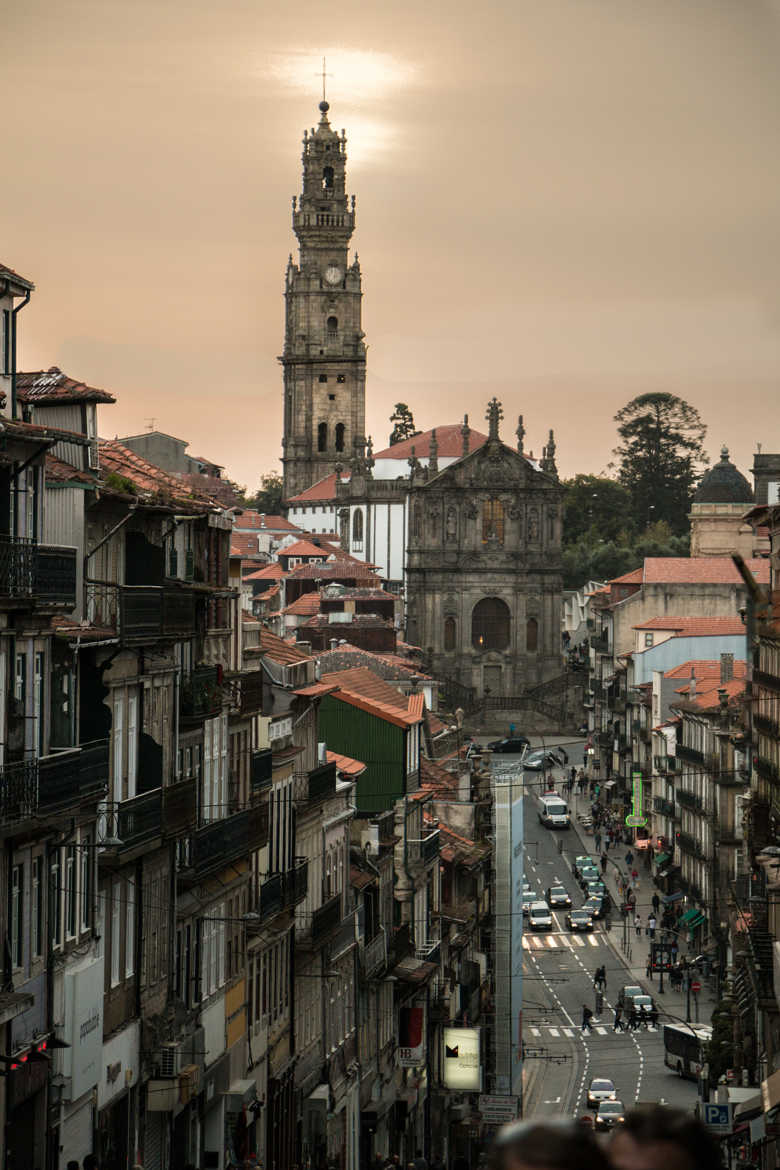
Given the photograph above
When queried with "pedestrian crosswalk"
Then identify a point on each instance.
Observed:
(557, 942)
(597, 1029)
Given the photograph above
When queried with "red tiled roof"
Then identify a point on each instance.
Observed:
(448, 438)
(53, 386)
(362, 688)
(704, 668)
(416, 704)
(249, 618)
(317, 690)
(700, 626)
(708, 696)
(65, 627)
(303, 548)
(632, 578)
(323, 489)
(701, 571)
(375, 707)
(244, 544)
(433, 776)
(305, 605)
(358, 619)
(58, 471)
(260, 522)
(334, 571)
(346, 764)
(272, 572)
(280, 651)
(120, 460)
(267, 595)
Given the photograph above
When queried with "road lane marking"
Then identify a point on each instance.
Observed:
(601, 1031)
(567, 1032)
(535, 1032)
(553, 1031)
(594, 942)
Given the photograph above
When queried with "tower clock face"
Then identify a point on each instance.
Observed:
(332, 274)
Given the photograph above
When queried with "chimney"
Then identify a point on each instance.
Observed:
(304, 647)
(692, 686)
(726, 667)
(334, 643)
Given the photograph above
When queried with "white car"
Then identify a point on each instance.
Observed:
(540, 916)
(600, 1089)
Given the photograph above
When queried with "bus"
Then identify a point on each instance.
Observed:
(684, 1048)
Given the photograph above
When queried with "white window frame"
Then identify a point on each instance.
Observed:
(17, 914)
(116, 918)
(130, 891)
(36, 908)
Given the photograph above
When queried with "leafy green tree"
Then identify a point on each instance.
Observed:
(593, 505)
(594, 558)
(720, 1050)
(269, 495)
(403, 424)
(660, 455)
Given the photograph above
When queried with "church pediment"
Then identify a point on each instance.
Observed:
(494, 466)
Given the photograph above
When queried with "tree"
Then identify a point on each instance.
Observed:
(403, 421)
(660, 455)
(594, 505)
(269, 495)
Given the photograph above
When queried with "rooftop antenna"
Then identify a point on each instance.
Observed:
(324, 75)
(150, 424)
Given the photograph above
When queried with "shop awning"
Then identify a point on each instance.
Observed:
(747, 1110)
(770, 1091)
(662, 858)
(688, 915)
(697, 920)
(667, 899)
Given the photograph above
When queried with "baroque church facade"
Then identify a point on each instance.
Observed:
(469, 534)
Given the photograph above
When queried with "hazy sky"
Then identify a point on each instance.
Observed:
(564, 203)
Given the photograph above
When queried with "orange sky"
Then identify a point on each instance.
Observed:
(564, 204)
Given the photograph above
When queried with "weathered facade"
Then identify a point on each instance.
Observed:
(484, 567)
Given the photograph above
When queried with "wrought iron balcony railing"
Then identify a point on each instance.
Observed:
(201, 692)
(50, 783)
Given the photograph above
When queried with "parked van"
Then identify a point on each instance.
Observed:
(554, 812)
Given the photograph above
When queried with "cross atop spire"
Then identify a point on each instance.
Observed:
(494, 414)
(324, 75)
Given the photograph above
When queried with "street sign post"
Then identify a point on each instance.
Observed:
(695, 986)
(498, 1110)
(719, 1118)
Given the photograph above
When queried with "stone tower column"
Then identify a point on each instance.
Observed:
(324, 358)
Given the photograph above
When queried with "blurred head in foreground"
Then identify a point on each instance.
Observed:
(656, 1137)
(547, 1145)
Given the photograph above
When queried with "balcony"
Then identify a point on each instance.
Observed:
(200, 696)
(125, 825)
(261, 769)
(600, 643)
(373, 956)
(664, 807)
(689, 755)
(179, 807)
(42, 572)
(766, 726)
(689, 844)
(400, 944)
(688, 799)
(217, 844)
(316, 785)
(326, 919)
(764, 679)
(52, 783)
(618, 705)
(282, 891)
(429, 850)
(142, 613)
(767, 769)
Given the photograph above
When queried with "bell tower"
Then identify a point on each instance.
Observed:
(324, 358)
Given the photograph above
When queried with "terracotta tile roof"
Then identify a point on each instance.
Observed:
(65, 627)
(632, 578)
(5, 271)
(704, 669)
(305, 605)
(417, 704)
(460, 850)
(303, 548)
(272, 572)
(335, 571)
(358, 877)
(707, 698)
(59, 472)
(346, 764)
(316, 690)
(438, 779)
(362, 688)
(700, 626)
(14, 428)
(386, 665)
(701, 570)
(119, 460)
(260, 522)
(53, 386)
(244, 544)
(448, 438)
(249, 618)
(358, 619)
(280, 651)
(267, 595)
(323, 489)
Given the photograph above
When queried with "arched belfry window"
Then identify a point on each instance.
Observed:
(322, 437)
(450, 633)
(492, 521)
(340, 436)
(490, 624)
(327, 178)
(357, 529)
(532, 635)
(332, 325)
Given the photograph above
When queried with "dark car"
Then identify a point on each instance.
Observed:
(558, 896)
(610, 1113)
(579, 919)
(515, 743)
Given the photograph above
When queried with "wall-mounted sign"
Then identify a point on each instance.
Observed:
(411, 1046)
(461, 1065)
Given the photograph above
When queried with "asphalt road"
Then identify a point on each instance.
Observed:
(558, 981)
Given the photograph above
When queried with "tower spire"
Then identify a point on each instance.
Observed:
(494, 414)
(433, 454)
(465, 434)
(520, 432)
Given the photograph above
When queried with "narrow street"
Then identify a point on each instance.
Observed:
(558, 980)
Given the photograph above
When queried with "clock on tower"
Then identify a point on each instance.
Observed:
(324, 357)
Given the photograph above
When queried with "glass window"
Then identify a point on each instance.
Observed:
(450, 633)
(116, 907)
(37, 907)
(55, 896)
(129, 929)
(70, 892)
(490, 624)
(492, 521)
(17, 914)
(531, 635)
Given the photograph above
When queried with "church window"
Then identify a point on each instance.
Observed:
(341, 378)
(331, 398)
(532, 635)
(340, 436)
(450, 633)
(492, 521)
(322, 437)
(357, 530)
(490, 624)
(323, 377)
(417, 521)
(327, 178)
(332, 325)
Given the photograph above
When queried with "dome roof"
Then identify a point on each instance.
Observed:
(723, 484)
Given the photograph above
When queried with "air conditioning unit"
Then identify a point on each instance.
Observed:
(170, 1060)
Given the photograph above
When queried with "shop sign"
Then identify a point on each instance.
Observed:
(498, 1110)
(84, 1027)
(411, 1049)
(461, 1067)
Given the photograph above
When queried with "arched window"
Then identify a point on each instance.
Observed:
(357, 529)
(417, 521)
(332, 325)
(490, 624)
(450, 633)
(492, 521)
(327, 178)
(322, 437)
(531, 635)
(340, 436)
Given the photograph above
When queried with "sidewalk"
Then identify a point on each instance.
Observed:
(636, 956)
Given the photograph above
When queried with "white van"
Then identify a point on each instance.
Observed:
(554, 812)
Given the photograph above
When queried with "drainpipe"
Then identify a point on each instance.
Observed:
(25, 301)
(88, 556)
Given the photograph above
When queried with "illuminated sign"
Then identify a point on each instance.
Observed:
(461, 1065)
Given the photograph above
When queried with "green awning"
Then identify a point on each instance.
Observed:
(697, 921)
(688, 915)
(661, 858)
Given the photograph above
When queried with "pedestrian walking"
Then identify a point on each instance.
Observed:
(599, 1003)
(572, 774)
(597, 839)
(649, 967)
(618, 1025)
(629, 858)
(656, 903)
(603, 863)
(587, 1016)
(651, 925)
(633, 1020)
(638, 925)
(600, 978)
